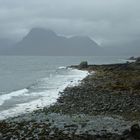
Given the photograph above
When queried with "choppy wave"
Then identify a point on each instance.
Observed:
(45, 92)
(5, 97)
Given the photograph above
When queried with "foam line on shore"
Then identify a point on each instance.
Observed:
(48, 97)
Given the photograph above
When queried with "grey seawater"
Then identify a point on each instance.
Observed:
(28, 81)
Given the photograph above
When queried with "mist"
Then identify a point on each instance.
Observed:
(110, 23)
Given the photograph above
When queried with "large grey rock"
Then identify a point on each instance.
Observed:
(83, 64)
(138, 60)
(132, 58)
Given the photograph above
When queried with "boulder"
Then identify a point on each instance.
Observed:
(83, 64)
(138, 60)
(132, 58)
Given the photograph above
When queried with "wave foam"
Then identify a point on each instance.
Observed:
(62, 67)
(5, 97)
(47, 97)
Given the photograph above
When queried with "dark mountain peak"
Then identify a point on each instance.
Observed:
(41, 41)
(41, 32)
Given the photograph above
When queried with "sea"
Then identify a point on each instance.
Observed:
(29, 83)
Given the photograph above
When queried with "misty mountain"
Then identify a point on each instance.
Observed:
(5, 43)
(130, 48)
(46, 42)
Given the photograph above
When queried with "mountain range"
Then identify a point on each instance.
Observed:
(41, 41)
(46, 42)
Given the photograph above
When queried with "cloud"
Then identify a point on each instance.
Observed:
(107, 21)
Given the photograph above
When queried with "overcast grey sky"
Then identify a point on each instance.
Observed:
(108, 21)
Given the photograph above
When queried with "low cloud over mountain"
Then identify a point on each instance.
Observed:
(46, 42)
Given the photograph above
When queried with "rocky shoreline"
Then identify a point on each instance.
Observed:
(105, 106)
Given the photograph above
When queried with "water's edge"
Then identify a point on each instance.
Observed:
(48, 97)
